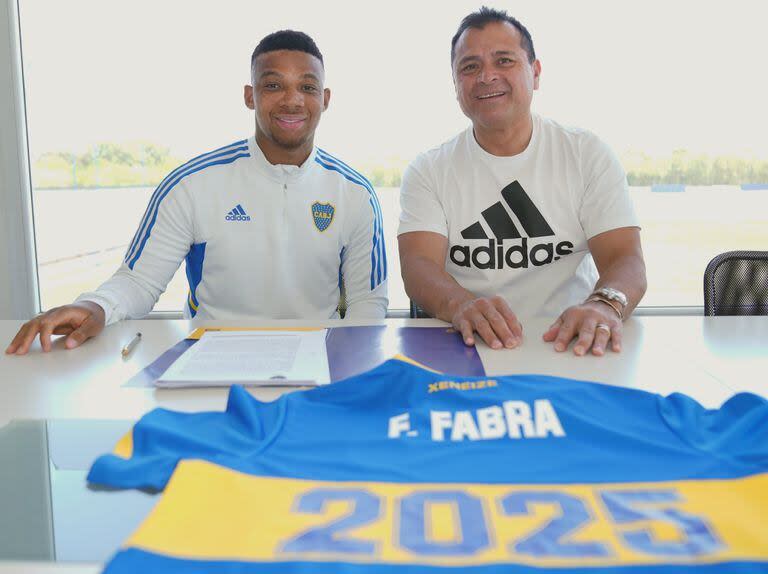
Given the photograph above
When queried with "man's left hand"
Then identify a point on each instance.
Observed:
(595, 325)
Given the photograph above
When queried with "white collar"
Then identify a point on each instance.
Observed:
(279, 172)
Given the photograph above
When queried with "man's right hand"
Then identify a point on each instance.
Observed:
(422, 263)
(492, 319)
(79, 321)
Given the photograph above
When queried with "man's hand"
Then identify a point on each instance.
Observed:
(422, 261)
(79, 321)
(492, 319)
(595, 324)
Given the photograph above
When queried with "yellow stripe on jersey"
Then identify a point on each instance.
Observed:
(410, 361)
(124, 447)
(213, 513)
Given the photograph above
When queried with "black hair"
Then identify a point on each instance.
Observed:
(286, 40)
(487, 15)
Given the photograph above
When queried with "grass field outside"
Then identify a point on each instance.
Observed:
(82, 235)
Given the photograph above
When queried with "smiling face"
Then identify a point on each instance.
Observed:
(493, 77)
(288, 98)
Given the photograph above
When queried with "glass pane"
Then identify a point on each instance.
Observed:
(119, 94)
(45, 464)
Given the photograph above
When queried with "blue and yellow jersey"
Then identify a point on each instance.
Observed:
(402, 469)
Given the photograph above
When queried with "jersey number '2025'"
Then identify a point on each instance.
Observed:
(633, 511)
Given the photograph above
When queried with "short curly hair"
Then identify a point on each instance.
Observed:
(285, 40)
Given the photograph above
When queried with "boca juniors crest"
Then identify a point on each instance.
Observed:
(322, 215)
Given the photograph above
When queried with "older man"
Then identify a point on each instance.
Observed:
(518, 215)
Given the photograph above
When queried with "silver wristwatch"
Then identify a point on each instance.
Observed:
(612, 295)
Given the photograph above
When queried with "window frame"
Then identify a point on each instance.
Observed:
(19, 287)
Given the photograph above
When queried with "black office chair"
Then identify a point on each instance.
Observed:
(736, 283)
(418, 313)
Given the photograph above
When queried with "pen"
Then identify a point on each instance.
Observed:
(130, 346)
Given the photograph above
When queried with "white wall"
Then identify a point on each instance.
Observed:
(18, 268)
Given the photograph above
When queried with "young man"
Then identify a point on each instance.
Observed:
(508, 217)
(269, 226)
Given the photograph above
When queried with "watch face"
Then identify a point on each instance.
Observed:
(613, 294)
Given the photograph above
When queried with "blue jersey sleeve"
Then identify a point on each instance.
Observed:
(737, 431)
(148, 457)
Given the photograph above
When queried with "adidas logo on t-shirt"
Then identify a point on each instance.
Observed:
(494, 256)
(237, 214)
(501, 224)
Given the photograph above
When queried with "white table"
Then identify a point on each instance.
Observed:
(709, 359)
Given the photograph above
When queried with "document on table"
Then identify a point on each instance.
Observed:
(267, 358)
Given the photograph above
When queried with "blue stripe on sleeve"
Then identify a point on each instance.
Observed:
(371, 195)
(241, 145)
(358, 177)
(158, 190)
(378, 256)
(375, 267)
(171, 184)
(382, 256)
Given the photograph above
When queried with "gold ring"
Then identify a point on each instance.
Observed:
(603, 327)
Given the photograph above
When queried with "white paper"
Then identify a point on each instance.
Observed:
(276, 358)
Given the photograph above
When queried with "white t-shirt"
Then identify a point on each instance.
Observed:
(518, 226)
(259, 241)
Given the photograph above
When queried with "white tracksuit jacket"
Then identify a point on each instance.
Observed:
(259, 240)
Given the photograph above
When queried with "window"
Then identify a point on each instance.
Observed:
(120, 93)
